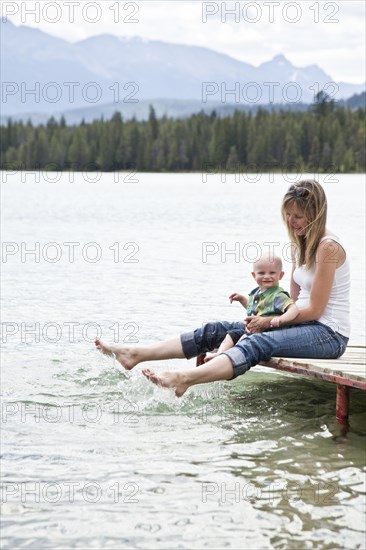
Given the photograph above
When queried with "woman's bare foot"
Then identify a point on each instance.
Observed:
(128, 357)
(210, 355)
(168, 379)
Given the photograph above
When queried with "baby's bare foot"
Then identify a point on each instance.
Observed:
(168, 379)
(127, 357)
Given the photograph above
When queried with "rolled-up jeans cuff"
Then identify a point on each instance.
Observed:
(189, 345)
(236, 357)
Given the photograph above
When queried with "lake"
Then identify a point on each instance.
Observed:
(99, 458)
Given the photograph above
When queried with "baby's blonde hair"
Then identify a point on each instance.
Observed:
(269, 259)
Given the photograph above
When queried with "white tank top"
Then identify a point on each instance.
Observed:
(337, 311)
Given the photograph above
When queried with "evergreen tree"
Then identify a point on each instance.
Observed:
(326, 135)
(153, 123)
(233, 159)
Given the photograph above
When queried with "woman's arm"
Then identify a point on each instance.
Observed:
(294, 287)
(327, 261)
(290, 314)
(258, 323)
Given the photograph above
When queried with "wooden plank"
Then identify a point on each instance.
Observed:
(343, 361)
(330, 369)
(326, 367)
(353, 371)
(352, 382)
(348, 370)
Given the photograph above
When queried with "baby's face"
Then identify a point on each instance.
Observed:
(267, 274)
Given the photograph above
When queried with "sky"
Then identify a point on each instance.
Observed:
(331, 35)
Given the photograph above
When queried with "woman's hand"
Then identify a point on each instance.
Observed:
(257, 324)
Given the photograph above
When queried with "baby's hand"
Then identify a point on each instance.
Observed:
(235, 297)
(275, 322)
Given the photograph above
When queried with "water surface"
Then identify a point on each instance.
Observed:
(95, 457)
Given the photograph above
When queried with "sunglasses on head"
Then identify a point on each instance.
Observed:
(298, 191)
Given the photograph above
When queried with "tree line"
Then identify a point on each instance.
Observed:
(327, 137)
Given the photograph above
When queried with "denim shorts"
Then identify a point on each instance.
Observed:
(312, 340)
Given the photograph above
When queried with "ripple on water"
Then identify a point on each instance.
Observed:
(258, 463)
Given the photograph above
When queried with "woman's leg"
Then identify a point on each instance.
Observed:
(188, 345)
(219, 368)
(313, 340)
(129, 357)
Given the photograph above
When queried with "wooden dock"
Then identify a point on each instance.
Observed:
(349, 371)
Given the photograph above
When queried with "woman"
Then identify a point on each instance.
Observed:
(320, 285)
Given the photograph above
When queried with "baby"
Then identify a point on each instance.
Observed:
(267, 299)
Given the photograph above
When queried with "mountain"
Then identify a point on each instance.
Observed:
(357, 101)
(105, 73)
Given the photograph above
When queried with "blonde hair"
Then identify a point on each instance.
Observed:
(309, 197)
(276, 260)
